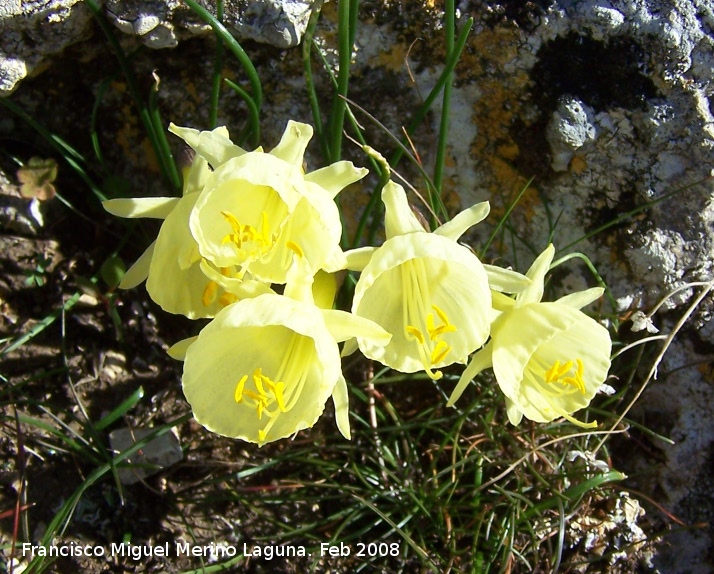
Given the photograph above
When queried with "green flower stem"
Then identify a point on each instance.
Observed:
(238, 52)
(346, 11)
(161, 143)
(437, 204)
(253, 125)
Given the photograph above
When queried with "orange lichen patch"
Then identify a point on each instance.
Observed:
(578, 164)
(508, 150)
(494, 113)
(393, 59)
(450, 196)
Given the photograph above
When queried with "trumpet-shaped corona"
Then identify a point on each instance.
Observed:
(264, 367)
(171, 265)
(255, 207)
(549, 358)
(429, 292)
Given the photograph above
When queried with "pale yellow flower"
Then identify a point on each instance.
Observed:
(171, 264)
(264, 367)
(549, 359)
(256, 209)
(429, 292)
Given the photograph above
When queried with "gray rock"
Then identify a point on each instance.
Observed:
(570, 128)
(32, 31)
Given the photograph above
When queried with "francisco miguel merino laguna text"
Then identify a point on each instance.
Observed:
(140, 551)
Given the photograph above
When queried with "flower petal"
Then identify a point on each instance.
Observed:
(335, 177)
(155, 207)
(214, 146)
(420, 271)
(534, 292)
(340, 398)
(529, 345)
(178, 350)
(480, 361)
(462, 221)
(344, 326)
(580, 299)
(175, 279)
(398, 217)
(258, 190)
(293, 144)
(139, 271)
(288, 342)
(506, 280)
(357, 259)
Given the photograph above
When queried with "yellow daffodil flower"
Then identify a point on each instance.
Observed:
(256, 209)
(171, 265)
(264, 367)
(429, 292)
(549, 359)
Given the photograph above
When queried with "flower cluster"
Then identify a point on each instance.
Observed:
(253, 244)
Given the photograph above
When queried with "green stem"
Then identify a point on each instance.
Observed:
(307, 42)
(345, 11)
(161, 144)
(253, 124)
(222, 32)
(435, 197)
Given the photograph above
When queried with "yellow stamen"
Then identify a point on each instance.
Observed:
(416, 333)
(442, 316)
(227, 298)
(279, 397)
(557, 374)
(238, 395)
(257, 379)
(246, 238)
(295, 248)
(209, 293)
(440, 351)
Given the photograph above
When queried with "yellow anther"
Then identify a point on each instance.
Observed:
(295, 248)
(257, 379)
(209, 293)
(246, 233)
(238, 395)
(442, 316)
(557, 374)
(231, 219)
(227, 298)
(253, 395)
(261, 435)
(416, 333)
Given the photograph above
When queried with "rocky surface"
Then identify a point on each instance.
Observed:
(31, 32)
(605, 103)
